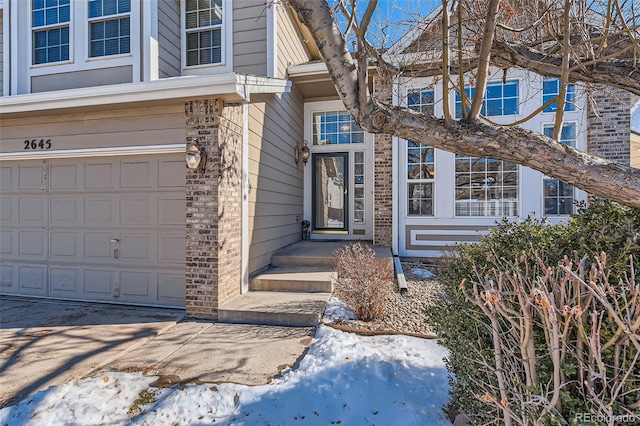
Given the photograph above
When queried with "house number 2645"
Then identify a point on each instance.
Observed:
(37, 144)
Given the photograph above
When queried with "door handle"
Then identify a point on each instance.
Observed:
(116, 253)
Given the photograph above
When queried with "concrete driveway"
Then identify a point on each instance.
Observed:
(44, 343)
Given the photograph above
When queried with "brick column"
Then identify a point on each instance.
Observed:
(382, 171)
(609, 129)
(214, 216)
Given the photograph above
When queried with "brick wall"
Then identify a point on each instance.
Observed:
(608, 133)
(382, 169)
(213, 208)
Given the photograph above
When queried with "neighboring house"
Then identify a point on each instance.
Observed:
(102, 99)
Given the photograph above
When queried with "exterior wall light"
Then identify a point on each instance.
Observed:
(306, 153)
(196, 158)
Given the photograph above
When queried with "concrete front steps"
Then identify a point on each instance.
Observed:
(295, 290)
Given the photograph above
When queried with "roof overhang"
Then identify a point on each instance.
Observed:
(230, 87)
(314, 82)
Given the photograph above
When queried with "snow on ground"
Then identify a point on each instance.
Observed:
(422, 273)
(343, 379)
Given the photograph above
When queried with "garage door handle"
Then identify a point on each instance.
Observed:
(116, 253)
(115, 240)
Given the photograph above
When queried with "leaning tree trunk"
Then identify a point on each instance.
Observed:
(600, 177)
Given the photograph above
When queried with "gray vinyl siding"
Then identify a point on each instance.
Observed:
(250, 37)
(105, 129)
(276, 181)
(291, 48)
(1, 55)
(169, 38)
(77, 79)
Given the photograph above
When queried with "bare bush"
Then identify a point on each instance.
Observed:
(563, 336)
(365, 282)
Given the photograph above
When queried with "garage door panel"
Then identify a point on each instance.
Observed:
(8, 210)
(65, 177)
(7, 277)
(100, 211)
(137, 173)
(98, 282)
(137, 211)
(31, 211)
(138, 247)
(171, 288)
(8, 248)
(172, 248)
(171, 210)
(65, 211)
(171, 173)
(100, 175)
(31, 177)
(136, 285)
(31, 244)
(65, 282)
(31, 279)
(7, 181)
(98, 246)
(65, 245)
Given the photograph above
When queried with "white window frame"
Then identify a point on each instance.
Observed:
(105, 18)
(429, 181)
(485, 106)
(67, 24)
(79, 37)
(226, 55)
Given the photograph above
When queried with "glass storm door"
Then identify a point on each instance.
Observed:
(330, 191)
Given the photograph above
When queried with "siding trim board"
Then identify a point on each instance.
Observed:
(229, 87)
(95, 152)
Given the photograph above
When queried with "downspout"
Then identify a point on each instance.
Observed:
(395, 223)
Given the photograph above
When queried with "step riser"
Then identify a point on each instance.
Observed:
(310, 262)
(258, 284)
(298, 262)
(268, 318)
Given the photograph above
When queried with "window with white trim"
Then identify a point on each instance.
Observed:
(335, 127)
(486, 187)
(358, 187)
(499, 99)
(109, 27)
(551, 89)
(203, 25)
(50, 21)
(420, 160)
(559, 197)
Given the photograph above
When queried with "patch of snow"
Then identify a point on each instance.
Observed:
(344, 378)
(337, 310)
(422, 273)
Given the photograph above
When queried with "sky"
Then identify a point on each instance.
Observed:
(343, 379)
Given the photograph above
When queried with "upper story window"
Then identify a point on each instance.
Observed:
(109, 27)
(550, 90)
(50, 22)
(203, 32)
(421, 100)
(499, 99)
(335, 127)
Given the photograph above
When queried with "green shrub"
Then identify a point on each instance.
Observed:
(528, 251)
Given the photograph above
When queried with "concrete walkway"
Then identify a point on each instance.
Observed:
(44, 343)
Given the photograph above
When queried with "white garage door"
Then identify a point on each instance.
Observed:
(105, 229)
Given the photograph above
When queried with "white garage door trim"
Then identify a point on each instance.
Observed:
(95, 152)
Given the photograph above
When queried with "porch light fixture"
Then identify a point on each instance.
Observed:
(306, 153)
(196, 157)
